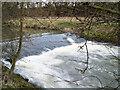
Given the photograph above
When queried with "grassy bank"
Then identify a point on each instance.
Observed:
(14, 80)
(104, 32)
(107, 32)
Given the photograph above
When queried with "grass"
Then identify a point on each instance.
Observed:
(14, 80)
(106, 32)
(62, 23)
(103, 32)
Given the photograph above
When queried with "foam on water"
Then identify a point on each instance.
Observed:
(50, 69)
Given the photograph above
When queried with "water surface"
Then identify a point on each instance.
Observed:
(50, 60)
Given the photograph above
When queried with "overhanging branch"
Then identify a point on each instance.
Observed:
(104, 9)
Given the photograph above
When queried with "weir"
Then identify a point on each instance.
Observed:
(52, 60)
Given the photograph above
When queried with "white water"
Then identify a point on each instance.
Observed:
(50, 69)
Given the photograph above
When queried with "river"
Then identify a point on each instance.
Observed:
(52, 60)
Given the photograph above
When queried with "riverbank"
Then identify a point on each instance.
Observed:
(103, 32)
(42, 63)
(14, 80)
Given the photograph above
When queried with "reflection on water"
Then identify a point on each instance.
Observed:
(49, 60)
(9, 34)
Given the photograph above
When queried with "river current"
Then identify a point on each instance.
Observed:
(54, 61)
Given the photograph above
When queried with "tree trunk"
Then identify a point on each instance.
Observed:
(20, 40)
